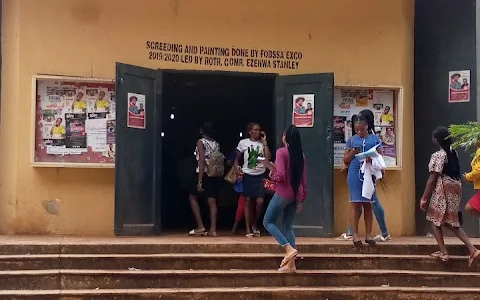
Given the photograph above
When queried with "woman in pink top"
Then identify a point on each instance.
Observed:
(289, 173)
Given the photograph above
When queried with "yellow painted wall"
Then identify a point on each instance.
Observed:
(363, 42)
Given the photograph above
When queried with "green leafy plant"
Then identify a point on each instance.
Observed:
(466, 135)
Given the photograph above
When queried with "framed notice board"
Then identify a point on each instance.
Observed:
(73, 122)
(384, 103)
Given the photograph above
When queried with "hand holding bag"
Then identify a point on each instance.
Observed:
(232, 175)
(269, 186)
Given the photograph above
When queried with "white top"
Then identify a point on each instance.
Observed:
(251, 151)
(209, 147)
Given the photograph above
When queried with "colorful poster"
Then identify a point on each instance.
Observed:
(111, 132)
(459, 86)
(303, 110)
(339, 123)
(76, 135)
(351, 101)
(136, 111)
(387, 136)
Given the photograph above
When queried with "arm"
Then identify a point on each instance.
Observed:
(349, 155)
(201, 162)
(430, 186)
(278, 172)
(475, 173)
(266, 150)
(238, 156)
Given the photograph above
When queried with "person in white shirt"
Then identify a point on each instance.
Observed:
(253, 174)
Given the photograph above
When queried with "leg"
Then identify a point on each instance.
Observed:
(438, 233)
(258, 213)
(350, 229)
(289, 214)
(471, 210)
(380, 216)
(368, 217)
(196, 212)
(460, 233)
(354, 216)
(275, 208)
(240, 212)
(248, 215)
(212, 204)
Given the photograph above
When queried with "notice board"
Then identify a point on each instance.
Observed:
(349, 101)
(74, 122)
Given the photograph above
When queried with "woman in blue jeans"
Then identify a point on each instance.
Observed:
(289, 173)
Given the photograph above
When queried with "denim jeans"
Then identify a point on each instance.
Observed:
(379, 215)
(289, 208)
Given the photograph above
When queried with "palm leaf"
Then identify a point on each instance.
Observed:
(466, 135)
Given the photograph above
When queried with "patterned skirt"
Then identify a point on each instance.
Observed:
(445, 202)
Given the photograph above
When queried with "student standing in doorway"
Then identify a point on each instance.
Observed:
(444, 190)
(289, 173)
(252, 148)
(206, 186)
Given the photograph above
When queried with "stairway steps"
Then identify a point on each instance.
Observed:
(217, 248)
(256, 293)
(227, 261)
(111, 279)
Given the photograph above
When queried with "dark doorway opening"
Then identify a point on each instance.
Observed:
(230, 102)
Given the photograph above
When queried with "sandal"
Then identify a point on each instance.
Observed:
(197, 232)
(211, 234)
(436, 254)
(286, 270)
(256, 232)
(371, 242)
(249, 235)
(286, 259)
(473, 258)
(444, 257)
(357, 243)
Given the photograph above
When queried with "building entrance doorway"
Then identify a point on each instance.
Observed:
(230, 102)
(152, 162)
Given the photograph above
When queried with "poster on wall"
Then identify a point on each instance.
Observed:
(459, 86)
(136, 111)
(351, 101)
(71, 118)
(303, 110)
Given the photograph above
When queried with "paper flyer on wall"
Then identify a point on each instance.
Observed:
(459, 86)
(73, 116)
(303, 110)
(76, 136)
(351, 101)
(136, 111)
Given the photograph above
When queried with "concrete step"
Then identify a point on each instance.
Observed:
(209, 245)
(259, 293)
(228, 261)
(114, 279)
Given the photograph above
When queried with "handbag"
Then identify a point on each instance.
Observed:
(269, 186)
(232, 175)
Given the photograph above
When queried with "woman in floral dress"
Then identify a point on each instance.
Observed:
(444, 188)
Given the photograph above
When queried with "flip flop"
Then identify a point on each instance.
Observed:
(195, 232)
(211, 234)
(286, 270)
(473, 258)
(436, 254)
(249, 235)
(288, 258)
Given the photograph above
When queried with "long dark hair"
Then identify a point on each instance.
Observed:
(451, 168)
(368, 114)
(294, 145)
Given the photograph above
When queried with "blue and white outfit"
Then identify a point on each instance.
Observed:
(355, 176)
